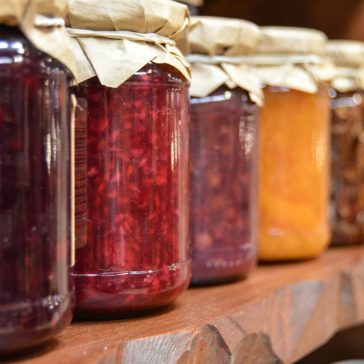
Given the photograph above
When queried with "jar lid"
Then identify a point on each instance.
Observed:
(346, 53)
(165, 18)
(347, 58)
(218, 47)
(290, 57)
(131, 33)
(222, 36)
(287, 40)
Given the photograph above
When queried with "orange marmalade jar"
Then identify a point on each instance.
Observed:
(294, 146)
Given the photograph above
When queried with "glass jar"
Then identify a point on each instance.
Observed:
(223, 165)
(293, 174)
(132, 160)
(347, 168)
(35, 203)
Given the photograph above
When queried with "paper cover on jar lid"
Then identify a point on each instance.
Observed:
(222, 36)
(114, 39)
(346, 53)
(348, 59)
(290, 57)
(42, 23)
(287, 40)
(218, 47)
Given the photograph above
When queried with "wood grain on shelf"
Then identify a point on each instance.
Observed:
(281, 313)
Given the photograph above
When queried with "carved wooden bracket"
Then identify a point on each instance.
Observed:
(277, 316)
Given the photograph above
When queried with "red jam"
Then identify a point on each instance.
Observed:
(223, 155)
(347, 168)
(132, 252)
(35, 300)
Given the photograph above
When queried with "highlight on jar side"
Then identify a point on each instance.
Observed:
(293, 145)
(35, 169)
(347, 142)
(225, 100)
(131, 156)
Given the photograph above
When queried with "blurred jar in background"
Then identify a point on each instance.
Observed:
(347, 142)
(223, 149)
(35, 168)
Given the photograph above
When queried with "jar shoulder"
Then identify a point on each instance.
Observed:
(18, 53)
(224, 95)
(159, 74)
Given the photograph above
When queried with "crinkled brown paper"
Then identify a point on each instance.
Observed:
(291, 57)
(348, 59)
(106, 48)
(216, 44)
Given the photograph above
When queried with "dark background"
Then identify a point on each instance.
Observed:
(337, 18)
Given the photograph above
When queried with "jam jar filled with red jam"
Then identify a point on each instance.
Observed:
(223, 167)
(35, 197)
(132, 161)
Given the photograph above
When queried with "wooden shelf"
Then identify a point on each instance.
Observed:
(281, 313)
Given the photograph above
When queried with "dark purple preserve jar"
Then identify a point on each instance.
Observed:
(35, 204)
(223, 169)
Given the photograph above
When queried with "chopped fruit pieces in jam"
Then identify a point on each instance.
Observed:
(132, 226)
(223, 166)
(35, 213)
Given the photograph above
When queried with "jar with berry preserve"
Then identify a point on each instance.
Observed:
(293, 145)
(131, 157)
(347, 142)
(225, 100)
(35, 175)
